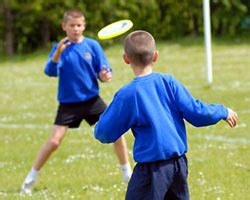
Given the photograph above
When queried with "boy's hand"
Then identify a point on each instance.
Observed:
(232, 118)
(63, 44)
(60, 48)
(105, 75)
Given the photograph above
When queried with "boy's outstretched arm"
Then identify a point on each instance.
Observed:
(116, 120)
(232, 118)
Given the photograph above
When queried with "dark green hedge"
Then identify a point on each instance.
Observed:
(27, 25)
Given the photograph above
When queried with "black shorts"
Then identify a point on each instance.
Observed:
(72, 114)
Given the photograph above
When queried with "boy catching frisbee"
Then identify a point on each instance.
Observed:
(77, 61)
(154, 106)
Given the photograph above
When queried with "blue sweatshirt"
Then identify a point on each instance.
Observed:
(78, 69)
(154, 108)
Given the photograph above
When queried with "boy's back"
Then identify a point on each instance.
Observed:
(154, 107)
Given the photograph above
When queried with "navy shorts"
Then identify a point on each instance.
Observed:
(161, 180)
(72, 114)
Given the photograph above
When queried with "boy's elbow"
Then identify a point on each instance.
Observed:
(49, 73)
(101, 137)
(46, 71)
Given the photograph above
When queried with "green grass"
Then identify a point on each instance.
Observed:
(82, 168)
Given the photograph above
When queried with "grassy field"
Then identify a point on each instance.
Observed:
(82, 168)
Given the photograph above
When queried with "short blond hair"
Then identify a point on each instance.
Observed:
(73, 13)
(140, 46)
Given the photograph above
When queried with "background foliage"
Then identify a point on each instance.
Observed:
(27, 25)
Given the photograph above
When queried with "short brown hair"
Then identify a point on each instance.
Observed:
(73, 13)
(139, 46)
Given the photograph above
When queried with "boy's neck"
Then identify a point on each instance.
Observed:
(79, 40)
(139, 71)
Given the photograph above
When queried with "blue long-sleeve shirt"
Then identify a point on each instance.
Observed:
(78, 69)
(154, 107)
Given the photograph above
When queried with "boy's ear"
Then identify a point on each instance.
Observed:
(155, 55)
(126, 59)
(63, 26)
(84, 26)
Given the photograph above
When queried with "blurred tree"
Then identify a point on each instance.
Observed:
(26, 25)
(226, 16)
(7, 25)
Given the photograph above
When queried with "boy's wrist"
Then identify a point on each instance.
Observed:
(226, 113)
(56, 56)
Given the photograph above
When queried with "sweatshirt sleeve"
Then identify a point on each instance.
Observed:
(51, 68)
(195, 111)
(100, 59)
(117, 119)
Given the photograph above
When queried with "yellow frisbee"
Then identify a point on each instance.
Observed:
(115, 29)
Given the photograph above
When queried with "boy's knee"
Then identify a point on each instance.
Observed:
(120, 143)
(53, 144)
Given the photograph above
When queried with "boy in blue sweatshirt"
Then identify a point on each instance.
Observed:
(77, 61)
(154, 107)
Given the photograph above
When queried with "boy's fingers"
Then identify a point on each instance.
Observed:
(235, 118)
(107, 72)
(231, 124)
(67, 43)
(63, 40)
(103, 68)
(235, 121)
(64, 43)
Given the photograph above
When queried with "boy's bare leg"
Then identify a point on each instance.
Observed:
(50, 146)
(121, 150)
(122, 154)
(45, 152)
